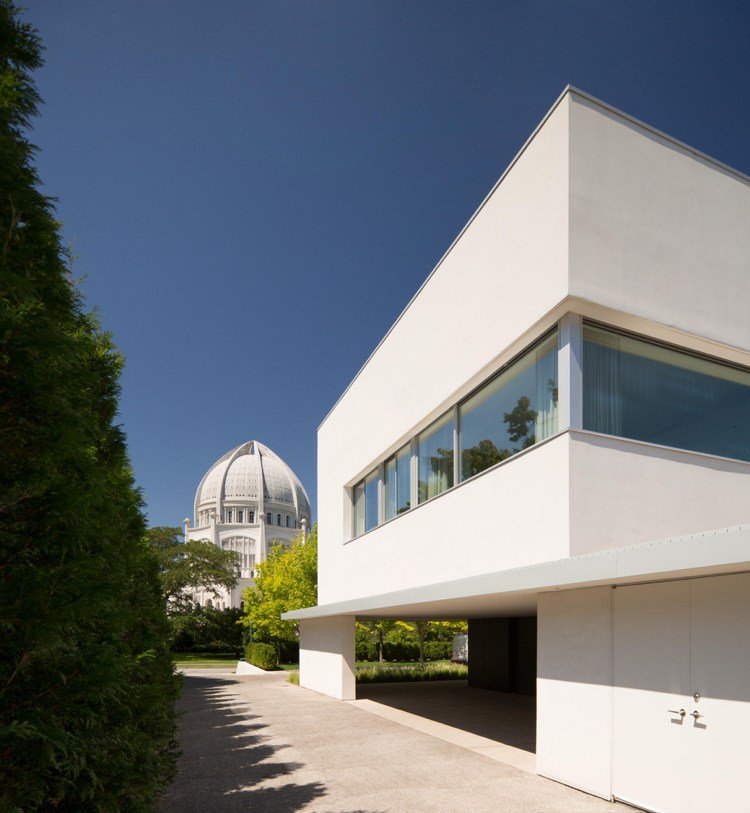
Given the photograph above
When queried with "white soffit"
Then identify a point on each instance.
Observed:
(513, 592)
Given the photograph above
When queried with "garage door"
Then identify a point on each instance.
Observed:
(682, 695)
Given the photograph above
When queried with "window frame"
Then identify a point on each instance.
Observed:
(540, 340)
(452, 413)
(655, 342)
(448, 417)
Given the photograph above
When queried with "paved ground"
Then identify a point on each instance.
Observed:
(260, 744)
(498, 726)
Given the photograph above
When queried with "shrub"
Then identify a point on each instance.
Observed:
(401, 651)
(87, 713)
(201, 627)
(384, 673)
(438, 650)
(366, 650)
(261, 655)
(216, 648)
(288, 651)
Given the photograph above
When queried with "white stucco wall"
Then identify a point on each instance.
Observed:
(623, 492)
(656, 230)
(574, 688)
(516, 514)
(326, 656)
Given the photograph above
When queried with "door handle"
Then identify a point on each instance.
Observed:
(695, 714)
(681, 712)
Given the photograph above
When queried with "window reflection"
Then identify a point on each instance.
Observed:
(371, 501)
(359, 509)
(436, 458)
(636, 389)
(515, 410)
(398, 483)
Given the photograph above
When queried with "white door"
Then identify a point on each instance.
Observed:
(683, 646)
(651, 678)
(720, 674)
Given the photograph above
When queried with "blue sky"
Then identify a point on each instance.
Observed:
(254, 190)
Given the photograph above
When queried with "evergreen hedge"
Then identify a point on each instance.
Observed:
(367, 650)
(261, 655)
(87, 685)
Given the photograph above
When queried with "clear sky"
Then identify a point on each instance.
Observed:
(255, 190)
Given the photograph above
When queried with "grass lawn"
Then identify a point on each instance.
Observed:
(201, 660)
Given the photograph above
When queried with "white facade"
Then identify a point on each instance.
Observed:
(628, 254)
(246, 502)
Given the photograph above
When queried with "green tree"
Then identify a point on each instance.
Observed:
(204, 629)
(87, 685)
(520, 419)
(482, 456)
(379, 630)
(192, 565)
(287, 580)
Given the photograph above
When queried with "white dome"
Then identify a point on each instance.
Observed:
(243, 474)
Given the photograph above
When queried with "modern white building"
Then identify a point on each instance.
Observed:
(246, 502)
(553, 441)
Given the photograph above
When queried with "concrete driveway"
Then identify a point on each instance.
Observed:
(261, 744)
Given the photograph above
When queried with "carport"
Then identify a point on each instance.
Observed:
(493, 713)
(573, 676)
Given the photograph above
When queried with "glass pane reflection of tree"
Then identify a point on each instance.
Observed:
(515, 410)
(398, 483)
(436, 458)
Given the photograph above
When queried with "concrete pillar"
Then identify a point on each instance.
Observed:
(326, 656)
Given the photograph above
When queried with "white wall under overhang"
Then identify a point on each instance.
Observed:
(624, 492)
(577, 493)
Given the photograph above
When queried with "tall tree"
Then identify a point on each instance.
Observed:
(287, 580)
(86, 679)
(191, 565)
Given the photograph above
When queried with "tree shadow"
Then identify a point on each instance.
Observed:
(225, 756)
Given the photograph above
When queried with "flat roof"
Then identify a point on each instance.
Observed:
(569, 89)
(514, 591)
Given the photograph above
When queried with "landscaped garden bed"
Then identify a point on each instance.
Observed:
(366, 672)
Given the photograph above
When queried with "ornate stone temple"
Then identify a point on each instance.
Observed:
(246, 502)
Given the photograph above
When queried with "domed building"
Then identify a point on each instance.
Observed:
(248, 500)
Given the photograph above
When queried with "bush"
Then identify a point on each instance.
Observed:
(203, 629)
(383, 673)
(87, 714)
(366, 650)
(215, 648)
(261, 655)
(401, 651)
(288, 651)
(438, 650)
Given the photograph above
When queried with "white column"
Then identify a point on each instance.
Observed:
(326, 656)
(569, 378)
